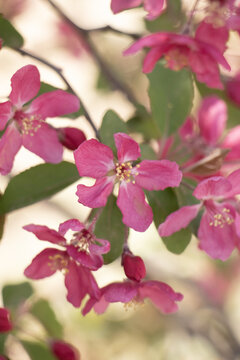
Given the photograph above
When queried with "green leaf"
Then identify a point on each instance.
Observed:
(172, 19)
(171, 96)
(36, 184)
(143, 123)
(110, 227)
(9, 34)
(14, 295)
(111, 124)
(2, 222)
(147, 152)
(37, 351)
(45, 314)
(164, 203)
(3, 338)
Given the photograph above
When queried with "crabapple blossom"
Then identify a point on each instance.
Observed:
(5, 322)
(219, 226)
(153, 7)
(96, 160)
(70, 137)
(198, 53)
(132, 293)
(26, 122)
(134, 266)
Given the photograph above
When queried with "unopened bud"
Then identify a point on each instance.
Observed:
(70, 137)
(134, 267)
(64, 351)
(5, 323)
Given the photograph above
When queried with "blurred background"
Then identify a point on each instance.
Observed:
(207, 323)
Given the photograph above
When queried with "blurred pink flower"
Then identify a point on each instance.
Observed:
(153, 7)
(64, 351)
(5, 322)
(71, 39)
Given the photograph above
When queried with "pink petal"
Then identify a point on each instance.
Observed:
(95, 196)
(90, 261)
(154, 8)
(120, 292)
(103, 248)
(231, 141)
(212, 119)
(157, 39)
(25, 85)
(178, 220)
(215, 186)
(5, 322)
(64, 351)
(43, 264)
(161, 294)
(44, 233)
(152, 58)
(72, 224)
(71, 137)
(43, 141)
(207, 32)
(127, 148)
(234, 179)
(158, 174)
(93, 159)
(10, 143)
(136, 212)
(6, 113)
(55, 103)
(218, 242)
(120, 5)
(99, 306)
(186, 131)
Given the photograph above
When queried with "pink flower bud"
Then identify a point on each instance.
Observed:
(64, 351)
(70, 137)
(233, 89)
(5, 323)
(134, 267)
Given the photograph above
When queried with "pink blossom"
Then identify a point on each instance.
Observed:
(12, 8)
(134, 266)
(224, 13)
(79, 256)
(132, 293)
(219, 227)
(5, 322)
(201, 53)
(64, 351)
(71, 39)
(26, 123)
(96, 160)
(70, 137)
(153, 7)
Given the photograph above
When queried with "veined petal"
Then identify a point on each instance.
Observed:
(136, 212)
(206, 32)
(25, 85)
(42, 232)
(95, 196)
(43, 141)
(90, 261)
(215, 186)
(158, 174)
(212, 119)
(120, 291)
(72, 224)
(152, 40)
(154, 8)
(103, 248)
(93, 159)
(6, 113)
(10, 143)
(127, 148)
(43, 265)
(54, 103)
(120, 5)
(178, 220)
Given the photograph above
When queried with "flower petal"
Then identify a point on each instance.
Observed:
(212, 119)
(6, 113)
(25, 85)
(95, 196)
(158, 174)
(5, 322)
(64, 351)
(152, 58)
(120, 5)
(10, 143)
(234, 179)
(42, 232)
(215, 186)
(93, 159)
(43, 264)
(90, 261)
(120, 291)
(103, 248)
(154, 8)
(127, 148)
(136, 212)
(206, 32)
(231, 142)
(178, 220)
(44, 143)
(72, 224)
(54, 103)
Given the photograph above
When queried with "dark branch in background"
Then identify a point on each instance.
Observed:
(104, 67)
(69, 88)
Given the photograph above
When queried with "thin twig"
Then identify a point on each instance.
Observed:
(105, 69)
(60, 74)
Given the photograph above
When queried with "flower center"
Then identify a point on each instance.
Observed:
(124, 172)
(58, 262)
(222, 218)
(176, 59)
(133, 304)
(28, 125)
(82, 240)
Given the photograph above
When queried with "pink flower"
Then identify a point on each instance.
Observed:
(201, 54)
(224, 13)
(96, 160)
(153, 7)
(64, 351)
(26, 123)
(12, 8)
(5, 322)
(219, 227)
(71, 39)
(134, 266)
(131, 293)
(80, 255)
(70, 137)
